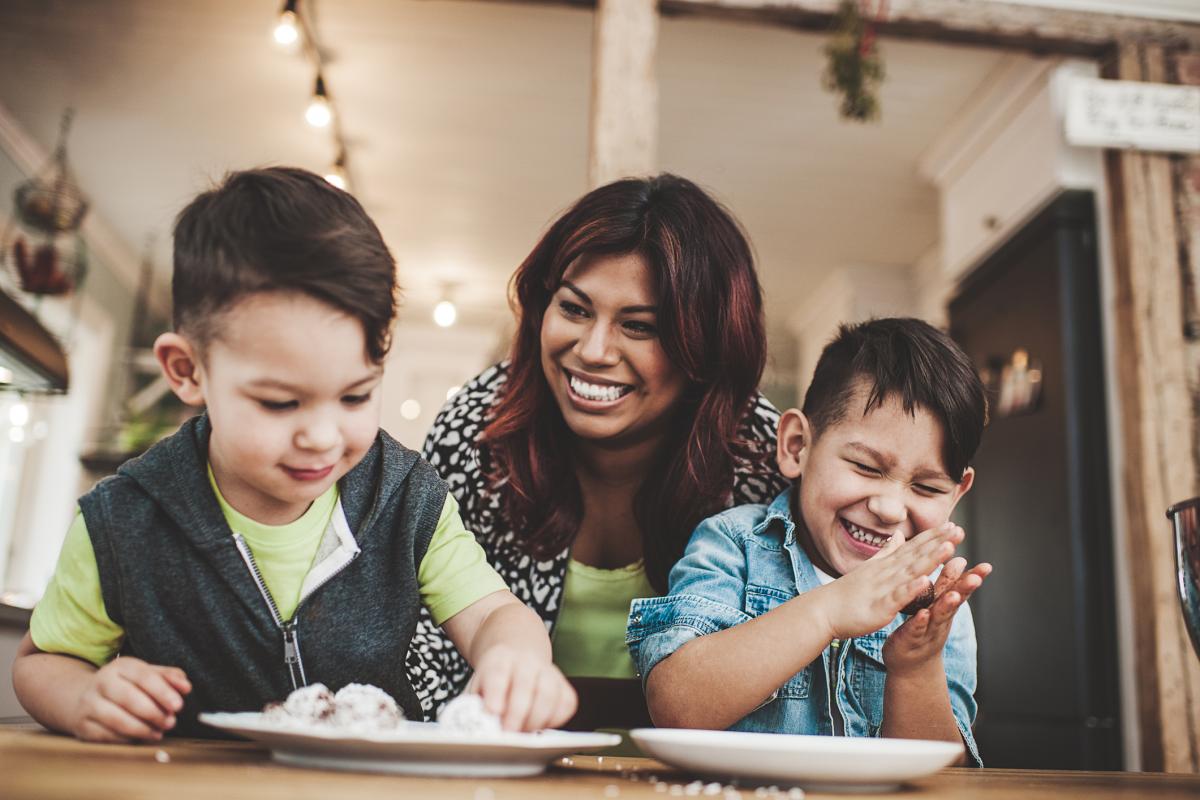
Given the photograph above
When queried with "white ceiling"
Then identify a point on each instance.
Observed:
(468, 123)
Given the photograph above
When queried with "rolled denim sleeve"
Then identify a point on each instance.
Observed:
(959, 658)
(705, 595)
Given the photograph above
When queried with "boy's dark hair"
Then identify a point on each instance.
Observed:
(912, 361)
(281, 229)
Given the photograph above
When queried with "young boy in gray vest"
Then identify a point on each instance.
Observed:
(791, 617)
(280, 538)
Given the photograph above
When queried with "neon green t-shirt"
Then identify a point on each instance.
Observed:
(589, 637)
(71, 618)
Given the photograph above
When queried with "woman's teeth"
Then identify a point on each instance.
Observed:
(867, 537)
(594, 391)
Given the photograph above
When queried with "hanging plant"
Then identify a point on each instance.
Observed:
(855, 68)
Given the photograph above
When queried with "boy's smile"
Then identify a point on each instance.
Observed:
(867, 478)
(293, 399)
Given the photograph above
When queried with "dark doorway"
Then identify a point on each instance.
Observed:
(1040, 511)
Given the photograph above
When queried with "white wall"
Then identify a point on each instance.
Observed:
(847, 294)
(425, 363)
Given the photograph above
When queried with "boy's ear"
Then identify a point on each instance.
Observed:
(794, 443)
(964, 486)
(180, 364)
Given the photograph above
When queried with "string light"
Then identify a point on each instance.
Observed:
(287, 29)
(293, 28)
(319, 113)
(337, 173)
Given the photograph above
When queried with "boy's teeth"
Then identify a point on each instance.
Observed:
(865, 536)
(593, 391)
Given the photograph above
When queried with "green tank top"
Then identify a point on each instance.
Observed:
(589, 636)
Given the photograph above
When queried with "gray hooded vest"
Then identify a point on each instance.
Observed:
(172, 576)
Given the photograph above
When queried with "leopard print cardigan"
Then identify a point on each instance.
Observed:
(436, 669)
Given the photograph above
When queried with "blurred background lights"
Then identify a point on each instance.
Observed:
(18, 415)
(410, 409)
(444, 313)
(287, 29)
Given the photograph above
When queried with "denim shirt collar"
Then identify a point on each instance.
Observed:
(779, 512)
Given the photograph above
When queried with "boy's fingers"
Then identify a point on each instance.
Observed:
(156, 685)
(129, 696)
(545, 699)
(120, 721)
(949, 574)
(493, 688)
(177, 678)
(520, 700)
(568, 701)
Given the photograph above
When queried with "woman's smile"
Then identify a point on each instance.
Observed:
(589, 393)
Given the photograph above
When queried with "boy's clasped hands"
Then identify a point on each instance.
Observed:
(868, 598)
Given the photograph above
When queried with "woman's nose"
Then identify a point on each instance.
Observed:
(595, 345)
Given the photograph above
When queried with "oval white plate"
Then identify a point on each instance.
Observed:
(418, 748)
(833, 761)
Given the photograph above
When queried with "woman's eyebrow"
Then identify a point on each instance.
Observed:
(624, 310)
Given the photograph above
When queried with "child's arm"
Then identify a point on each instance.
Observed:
(916, 700)
(735, 670)
(507, 646)
(125, 700)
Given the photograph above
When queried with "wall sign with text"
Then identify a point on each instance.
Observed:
(1132, 114)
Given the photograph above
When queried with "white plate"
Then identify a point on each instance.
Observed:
(418, 748)
(826, 761)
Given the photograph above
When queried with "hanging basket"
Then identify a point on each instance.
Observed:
(56, 206)
(50, 201)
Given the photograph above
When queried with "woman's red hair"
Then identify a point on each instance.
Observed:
(710, 324)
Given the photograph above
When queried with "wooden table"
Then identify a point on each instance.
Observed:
(38, 765)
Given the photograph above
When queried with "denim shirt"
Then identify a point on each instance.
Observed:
(746, 561)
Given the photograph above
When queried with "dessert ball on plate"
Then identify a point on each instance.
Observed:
(466, 714)
(360, 705)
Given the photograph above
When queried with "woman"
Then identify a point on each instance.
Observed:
(627, 413)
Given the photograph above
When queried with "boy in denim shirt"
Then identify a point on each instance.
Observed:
(787, 618)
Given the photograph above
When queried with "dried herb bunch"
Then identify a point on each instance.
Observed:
(855, 68)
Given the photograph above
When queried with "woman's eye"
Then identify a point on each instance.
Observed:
(641, 328)
(356, 399)
(572, 309)
(278, 405)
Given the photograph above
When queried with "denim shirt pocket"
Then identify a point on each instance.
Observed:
(760, 600)
(868, 678)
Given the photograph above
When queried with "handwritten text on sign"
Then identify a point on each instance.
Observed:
(1143, 116)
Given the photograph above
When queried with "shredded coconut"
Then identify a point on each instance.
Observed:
(357, 707)
(466, 714)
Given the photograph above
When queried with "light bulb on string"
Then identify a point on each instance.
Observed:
(287, 30)
(319, 113)
(336, 175)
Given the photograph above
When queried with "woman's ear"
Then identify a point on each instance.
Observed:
(180, 364)
(793, 443)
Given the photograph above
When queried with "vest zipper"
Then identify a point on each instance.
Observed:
(291, 641)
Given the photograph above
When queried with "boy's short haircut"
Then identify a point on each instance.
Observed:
(912, 361)
(281, 229)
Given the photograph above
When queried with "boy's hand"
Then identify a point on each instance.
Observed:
(130, 700)
(869, 597)
(919, 641)
(527, 693)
